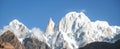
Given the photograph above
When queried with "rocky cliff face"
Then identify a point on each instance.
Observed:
(32, 43)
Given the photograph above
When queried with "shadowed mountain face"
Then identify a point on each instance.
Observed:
(117, 44)
(10, 41)
(32, 43)
(102, 45)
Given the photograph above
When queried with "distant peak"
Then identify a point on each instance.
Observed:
(14, 22)
(19, 29)
(50, 20)
(50, 27)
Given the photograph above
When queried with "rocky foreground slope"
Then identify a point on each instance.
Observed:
(10, 41)
(102, 45)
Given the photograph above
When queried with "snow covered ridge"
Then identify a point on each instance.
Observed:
(73, 31)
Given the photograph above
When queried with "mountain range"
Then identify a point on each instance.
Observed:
(73, 31)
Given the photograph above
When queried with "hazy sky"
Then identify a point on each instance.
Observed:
(36, 13)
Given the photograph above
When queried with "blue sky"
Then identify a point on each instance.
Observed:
(36, 13)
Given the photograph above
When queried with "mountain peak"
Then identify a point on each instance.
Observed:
(72, 19)
(50, 20)
(50, 27)
(19, 29)
(74, 15)
(15, 21)
(16, 24)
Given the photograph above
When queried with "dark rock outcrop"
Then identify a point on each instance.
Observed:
(117, 44)
(32, 43)
(102, 45)
(8, 38)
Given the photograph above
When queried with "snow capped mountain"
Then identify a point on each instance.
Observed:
(18, 25)
(19, 29)
(76, 30)
(73, 31)
(22, 32)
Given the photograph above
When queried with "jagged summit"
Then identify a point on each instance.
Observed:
(14, 22)
(50, 27)
(17, 24)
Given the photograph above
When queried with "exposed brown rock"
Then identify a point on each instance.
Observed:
(9, 37)
(6, 45)
(9, 41)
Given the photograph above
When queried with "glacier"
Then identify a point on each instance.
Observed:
(73, 31)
